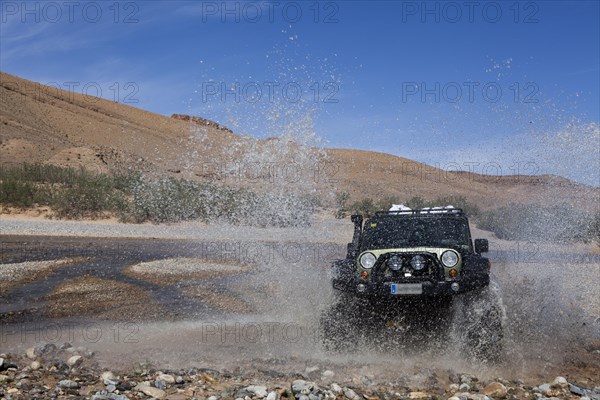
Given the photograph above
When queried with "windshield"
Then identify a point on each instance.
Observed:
(415, 232)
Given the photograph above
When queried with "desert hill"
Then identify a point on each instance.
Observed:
(47, 125)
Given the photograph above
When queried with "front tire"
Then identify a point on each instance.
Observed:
(479, 322)
(338, 324)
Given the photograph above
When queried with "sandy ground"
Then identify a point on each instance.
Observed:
(106, 299)
(323, 230)
(173, 270)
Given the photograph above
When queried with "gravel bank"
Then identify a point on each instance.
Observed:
(321, 230)
(50, 372)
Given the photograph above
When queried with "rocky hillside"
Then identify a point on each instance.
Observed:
(44, 124)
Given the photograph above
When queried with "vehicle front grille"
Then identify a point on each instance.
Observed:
(396, 267)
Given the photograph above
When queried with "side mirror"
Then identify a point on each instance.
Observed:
(356, 219)
(481, 246)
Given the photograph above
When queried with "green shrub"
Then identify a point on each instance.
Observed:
(341, 204)
(16, 193)
(86, 199)
(365, 207)
(385, 203)
(471, 209)
(416, 202)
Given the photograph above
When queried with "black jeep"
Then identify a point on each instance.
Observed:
(416, 263)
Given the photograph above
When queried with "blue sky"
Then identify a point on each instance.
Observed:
(511, 84)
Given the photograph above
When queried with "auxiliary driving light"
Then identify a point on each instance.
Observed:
(361, 287)
(455, 287)
(418, 262)
(395, 263)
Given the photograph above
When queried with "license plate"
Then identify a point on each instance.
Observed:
(407, 288)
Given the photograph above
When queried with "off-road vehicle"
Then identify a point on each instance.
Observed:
(414, 269)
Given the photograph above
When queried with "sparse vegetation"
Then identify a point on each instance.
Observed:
(341, 202)
(133, 198)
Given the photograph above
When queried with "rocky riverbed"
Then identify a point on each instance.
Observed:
(48, 371)
(238, 318)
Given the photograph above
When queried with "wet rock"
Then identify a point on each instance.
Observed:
(74, 361)
(166, 378)
(300, 386)
(152, 391)
(31, 353)
(160, 384)
(418, 395)
(124, 386)
(543, 388)
(560, 380)
(258, 391)
(109, 378)
(351, 394)
(495, 390)
(68, 384)
(576, 390)
(453, 388)
(49, 348)
(272, 396)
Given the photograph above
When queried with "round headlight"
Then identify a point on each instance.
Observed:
(367, 260)
(418, 262)
(449, 258)
(395, 263)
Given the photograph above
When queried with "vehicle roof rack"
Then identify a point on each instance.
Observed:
(424, 211)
